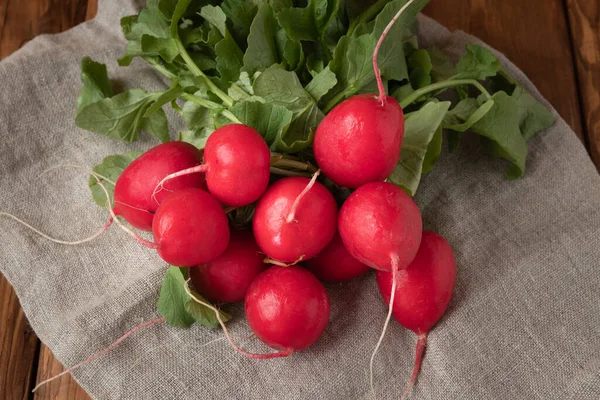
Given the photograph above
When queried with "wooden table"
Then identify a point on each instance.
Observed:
(555, 42)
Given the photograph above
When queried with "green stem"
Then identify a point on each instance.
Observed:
(442, 85)
(194, 69)
(229, 115)
(350, 90)
(160, 68)
(211, 105)
(366, 16)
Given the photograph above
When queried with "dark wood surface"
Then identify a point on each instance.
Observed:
(555, 42)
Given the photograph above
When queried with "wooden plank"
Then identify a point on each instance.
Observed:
(18, 345)
(21, 20)
(63, 388)
(584, 16)
(533, 34)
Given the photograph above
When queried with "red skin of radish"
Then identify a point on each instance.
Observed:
(423, 291)
(190, 228)
(134, 188)
(359, 140)
(311, 230)
(238, 164)
(287, 308)
(424, 288)
(335, 264)
(226, 278)
(380, 221)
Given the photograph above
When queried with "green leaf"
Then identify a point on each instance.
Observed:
(178, 13)
(241, 13)
(120, 116)
(200, 122)
(478, 63)
(96, 85)
(151, 21)
(441, 67)
(173, 299)
(533, 115)
(230, 58)
(419, 131)
(166, 97)
(419, 64)
(262, 48)
(477, 114)
(283, 88)
(157, 125)
(433, 150)
(216, 16)
(203, 315)
(110, 168)
(310, 22)
(165, 48)
(501, 125)
(321, 84)
(269, 119)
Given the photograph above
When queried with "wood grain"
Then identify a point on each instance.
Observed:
(21, 20)
(18, 345)
(63, 388)
(584, 16)
(533, 34)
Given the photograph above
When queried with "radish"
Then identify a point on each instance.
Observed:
(295, 219)
(135, 186)
(287, 308)
(335, 264)
(359, 140)
(190, 228)
(226, 278)
(423, 291)
(237, 164)
(381, 226)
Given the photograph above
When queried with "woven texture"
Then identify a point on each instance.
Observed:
(524, 322)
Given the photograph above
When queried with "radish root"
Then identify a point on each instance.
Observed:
(193, 170)
(137, 237)
(382, 94)
(394, 259)
(418, 357)
(292, 215)
(50, 238)
(284, 353)
(101, 353)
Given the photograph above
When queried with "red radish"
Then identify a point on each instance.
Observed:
(287, 308)
(335, 264)
(381, 226)
(423, 291)
(135, 186)
(237, 163)
(190, 228)
(295, 219)
(378, 223)
(226, 278)
(359, 140)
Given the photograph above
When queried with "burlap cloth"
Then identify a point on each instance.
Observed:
(524, 322)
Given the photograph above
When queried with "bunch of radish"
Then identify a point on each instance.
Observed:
(298, 236)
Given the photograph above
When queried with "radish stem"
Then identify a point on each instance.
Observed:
(292, 215)
(442, 85)
(382, 94)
